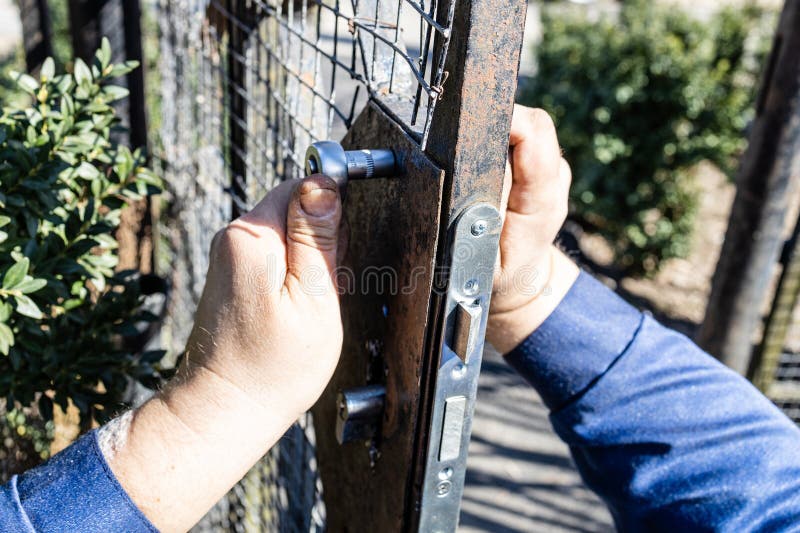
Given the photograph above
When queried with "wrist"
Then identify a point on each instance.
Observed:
(188, 445)
(508, 327)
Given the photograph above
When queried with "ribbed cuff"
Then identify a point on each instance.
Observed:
(577, 343)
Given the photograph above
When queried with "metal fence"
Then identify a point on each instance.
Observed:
(245, 86)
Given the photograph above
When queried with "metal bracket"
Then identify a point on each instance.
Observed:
(476, 236)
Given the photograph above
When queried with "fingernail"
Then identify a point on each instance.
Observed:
(317, 201)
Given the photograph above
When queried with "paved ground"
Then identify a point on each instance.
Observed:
(520, 477)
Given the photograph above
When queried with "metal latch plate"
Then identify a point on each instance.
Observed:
(476, 236)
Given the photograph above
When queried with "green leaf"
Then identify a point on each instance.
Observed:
(81, 72)
(87, 171)
(5, 311)
(4, 221)
(16, 274)
(24, 82)
(115, 92)
(120, 70)
(48, 70)
(103, 54)
(6, 338)
(27, 307)
(30, 285)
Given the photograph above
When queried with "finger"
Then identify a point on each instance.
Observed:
(535, 160)
(312, 230)
(267, 220)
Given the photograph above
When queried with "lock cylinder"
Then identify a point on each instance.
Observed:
(329, 158)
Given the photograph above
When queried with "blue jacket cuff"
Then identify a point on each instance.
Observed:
(76, 491)
(578, 342)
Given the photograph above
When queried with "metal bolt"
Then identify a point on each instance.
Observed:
(443, 488)
(360, 411)
(471, 287)
(329, 158)
(459, 370)
(479, 228)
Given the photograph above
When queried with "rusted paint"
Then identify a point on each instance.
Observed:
(393, 229)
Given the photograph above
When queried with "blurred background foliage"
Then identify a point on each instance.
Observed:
(69, 322)
(639, 98)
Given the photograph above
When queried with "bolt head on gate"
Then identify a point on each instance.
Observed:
(329, 158)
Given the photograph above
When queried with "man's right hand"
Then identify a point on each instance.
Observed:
(533, 276)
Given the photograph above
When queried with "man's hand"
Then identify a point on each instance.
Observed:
(266, 341)
(533, 276)
(268, 322)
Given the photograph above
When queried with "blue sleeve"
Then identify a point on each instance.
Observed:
(74, 491)
(670, 438)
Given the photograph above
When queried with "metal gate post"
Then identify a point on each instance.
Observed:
(769, 176)
(767, 356)
(36, 33)
(476, 103)
(239, 28)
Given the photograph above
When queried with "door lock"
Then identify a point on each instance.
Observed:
(359, 413)
(329, 158)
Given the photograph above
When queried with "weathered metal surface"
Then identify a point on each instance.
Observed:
(769, 176)
(386, 277)
(471, 123)
(469, 139)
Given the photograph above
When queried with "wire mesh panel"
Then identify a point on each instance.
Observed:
(246, 86)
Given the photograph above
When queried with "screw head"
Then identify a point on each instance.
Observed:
(443, 488)
(471, 287)
(445, 473)
(479, 227)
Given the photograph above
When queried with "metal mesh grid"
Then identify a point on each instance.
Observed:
(785, 389)
(788, 367)
(245, 87)
(296, 71)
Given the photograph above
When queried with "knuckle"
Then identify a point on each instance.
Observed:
(226, 241)
(319, 234)
(540, 120)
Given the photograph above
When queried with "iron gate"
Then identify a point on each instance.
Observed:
(246, 86)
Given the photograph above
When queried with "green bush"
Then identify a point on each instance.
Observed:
(638, 101)
(64, 312)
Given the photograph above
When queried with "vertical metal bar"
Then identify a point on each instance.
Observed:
(767, 356)
(137, 117)
(84, 22)
(768, 177)
(36, 33)
(237, 119)
(469, 140)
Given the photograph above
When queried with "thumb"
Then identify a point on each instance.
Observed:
(312, 233)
